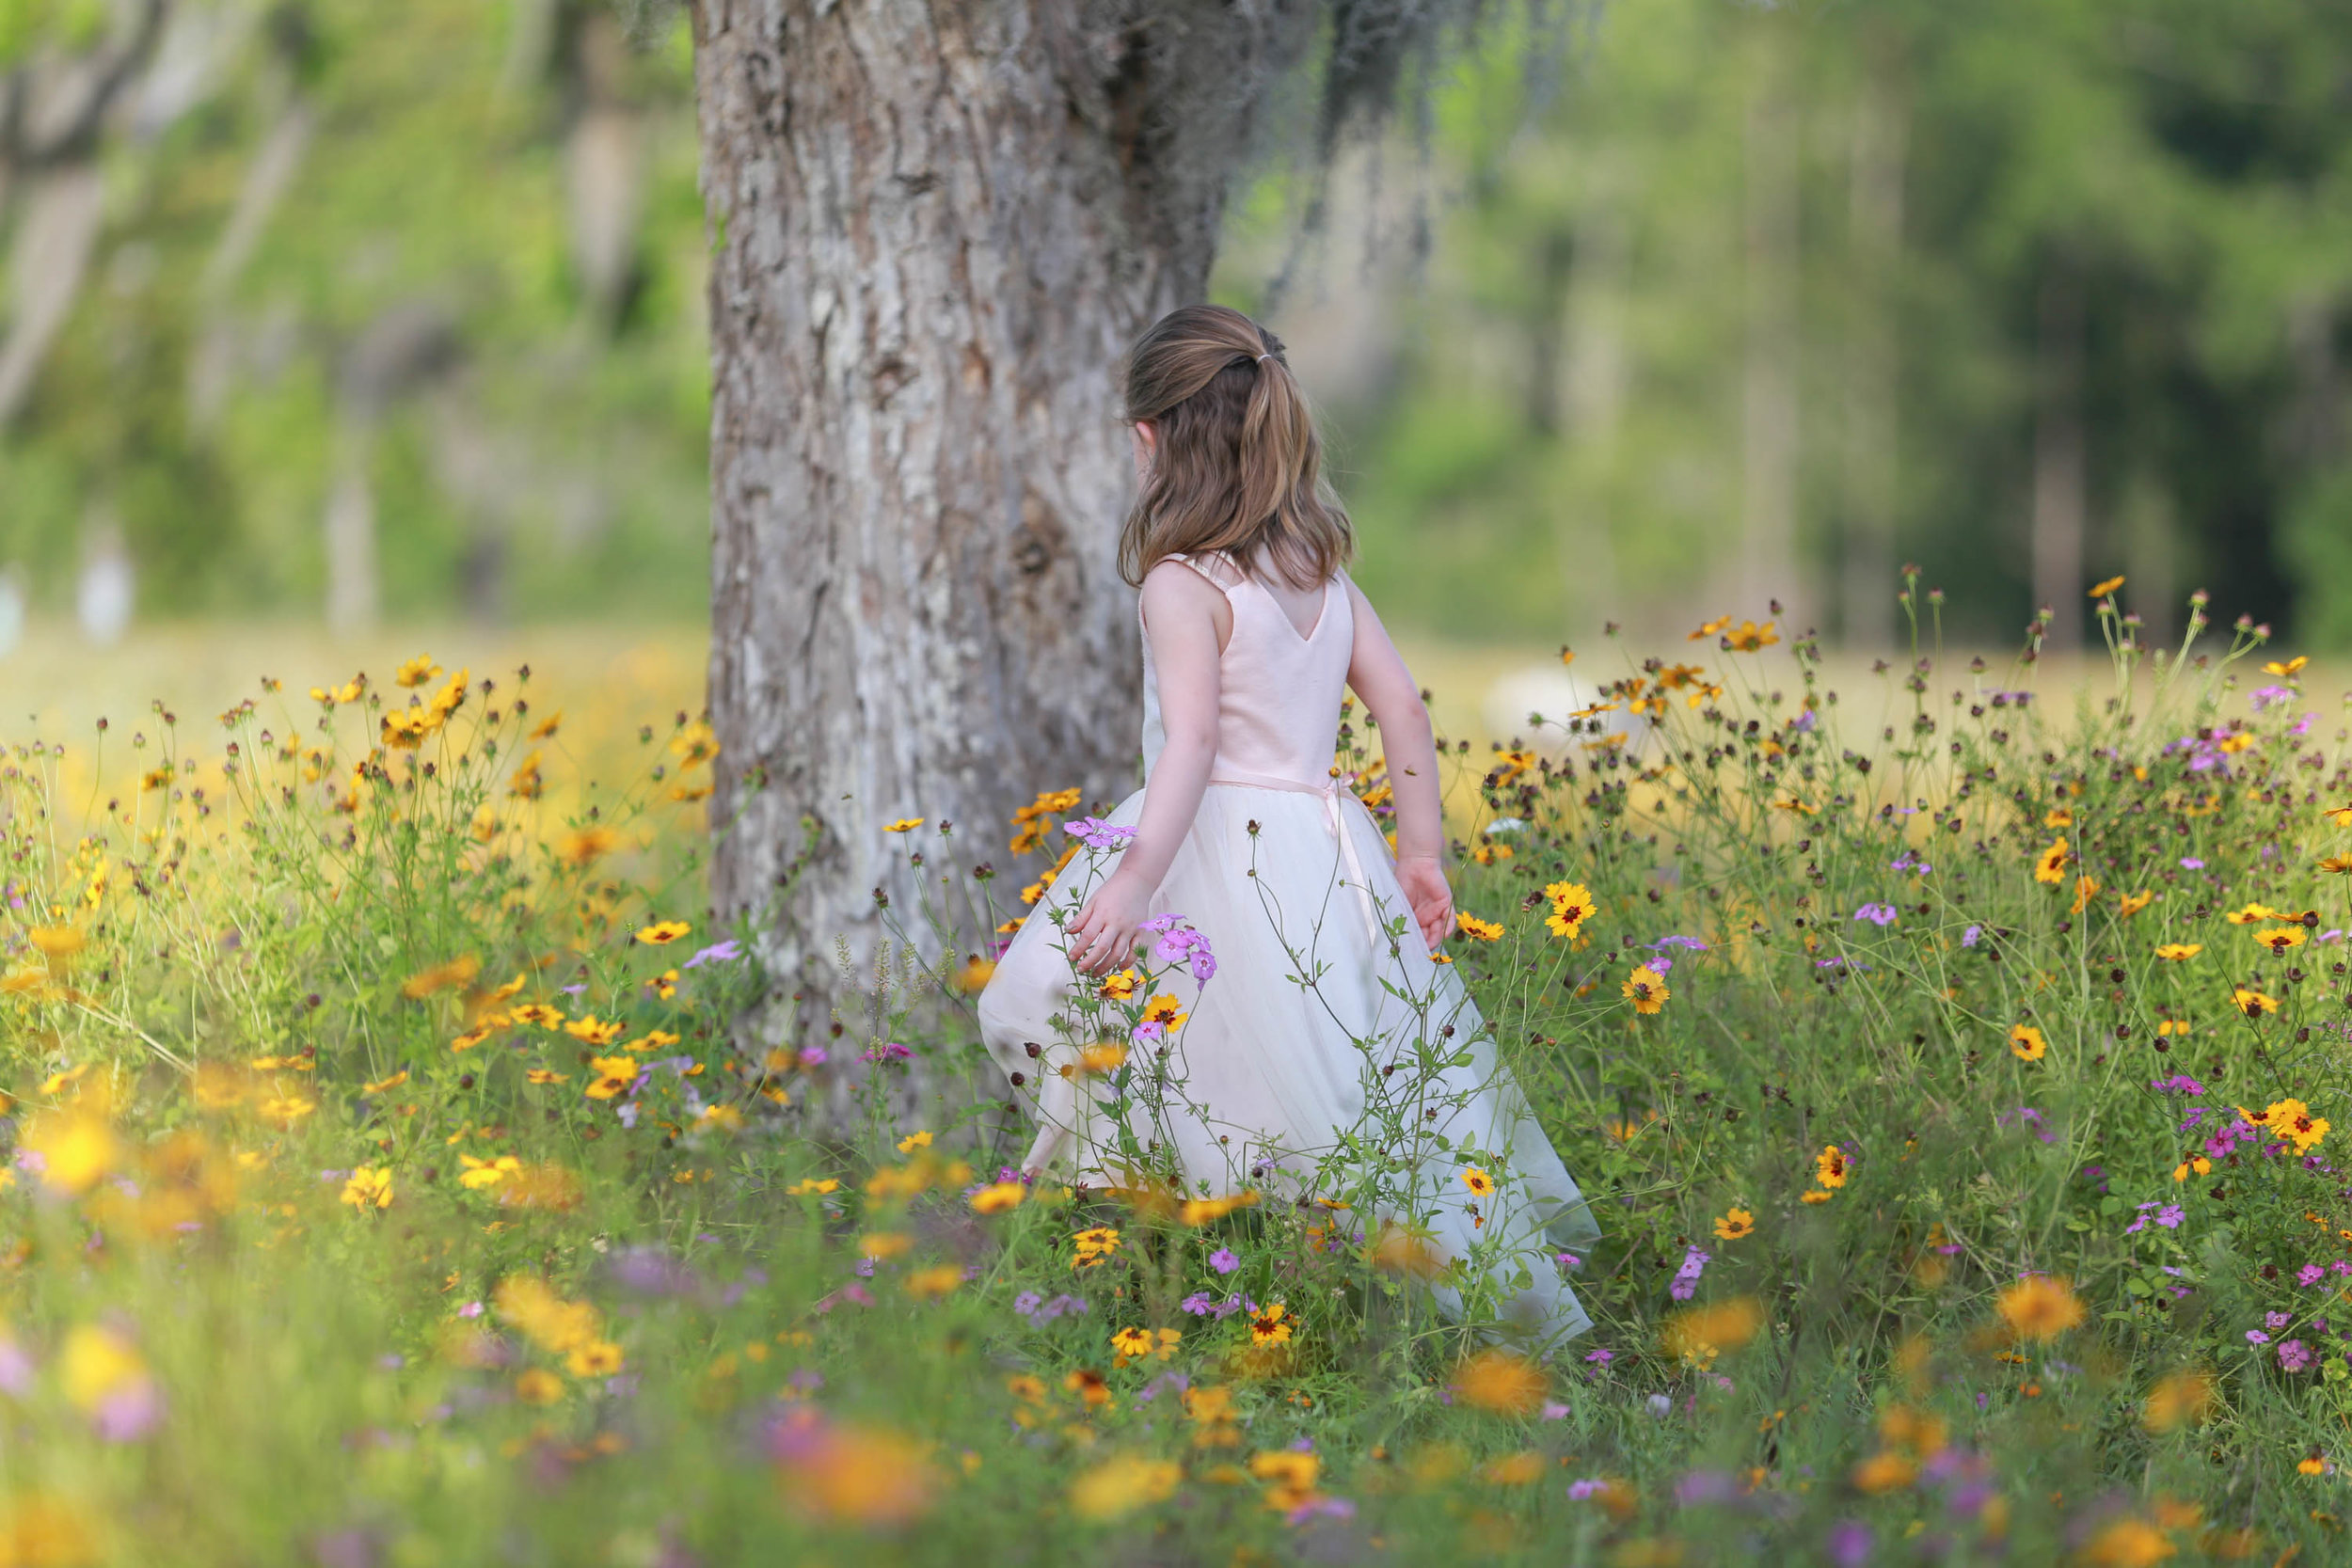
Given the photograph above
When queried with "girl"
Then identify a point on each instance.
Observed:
(1310, 1043)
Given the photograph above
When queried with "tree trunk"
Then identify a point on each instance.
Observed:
(2057, 453)
(1596, 373)
(1875, 207)
(935, 227)
(1769, 381)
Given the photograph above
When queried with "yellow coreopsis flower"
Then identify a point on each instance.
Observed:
(1471, 925)
(2103, 588)
(1646, 990)
(2051, 865)
(1571, 907)
(2281, 939)
(2027, 1044)
(2180, 951)
(2253, 1003)
(2040, 1307)
(369, 1187)
(998, 1196)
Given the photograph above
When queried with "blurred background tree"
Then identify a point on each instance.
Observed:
(332, 308)
(323, 308)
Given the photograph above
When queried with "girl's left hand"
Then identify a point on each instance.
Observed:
(1423, 881)
(1102, 937)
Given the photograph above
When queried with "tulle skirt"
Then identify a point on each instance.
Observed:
(1327, 1045)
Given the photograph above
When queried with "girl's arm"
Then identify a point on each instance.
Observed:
(1377, 672)
(1187, 619)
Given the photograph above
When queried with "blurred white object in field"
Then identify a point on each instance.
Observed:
(1556, 696)
(108, 589)
(11, 609)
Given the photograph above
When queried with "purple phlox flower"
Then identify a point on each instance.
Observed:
(1149, 1033)
(1319, 1508)
(851, 1291)
(1552, 1411)
(1223, 1261)
(2303, 726)
(1702, 1487)
(2180, 1083)
(1567, 1260)
(717, 953)
(865, 1268)
(1198, 1304)
(2341, 1265)
(1909, 862)
(2170, 1216)
(2190, 862)
(2310, 1274)
(2265, 696)
(649, 1271)
(1804, 722)
(1657, 965)
(1876, 915)
(1600, 1358)
(814, 1056)
(887, 1051)
(2294, 1356)
(1095, 833)
(1591, 1486)
(628, 1112)
(1161, 1385)
(1694, 943)
(32, 1161)
(2256, 1336)
(1686, 1281)
(16, 1368)
(130, 1411)
(1968, 938)
(2027, 1117)
(1026, 1303)
(2276, 1320)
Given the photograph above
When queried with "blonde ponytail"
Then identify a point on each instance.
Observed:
(1237, 465)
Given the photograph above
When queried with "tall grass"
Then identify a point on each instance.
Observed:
(394, 1181)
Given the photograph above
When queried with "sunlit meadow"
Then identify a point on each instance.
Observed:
(395, 1177)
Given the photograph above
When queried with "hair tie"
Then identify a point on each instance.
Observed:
(1263, 358)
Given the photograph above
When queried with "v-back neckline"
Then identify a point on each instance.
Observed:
(1322, 611)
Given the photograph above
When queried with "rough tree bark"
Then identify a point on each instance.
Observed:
(1875, 228)
(2059, 501)
(934, 226)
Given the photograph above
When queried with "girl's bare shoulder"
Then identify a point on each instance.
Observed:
(1180, 589)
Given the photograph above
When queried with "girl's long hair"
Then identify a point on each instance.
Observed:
(1236, 466)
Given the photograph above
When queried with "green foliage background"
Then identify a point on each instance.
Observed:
(2186, 162)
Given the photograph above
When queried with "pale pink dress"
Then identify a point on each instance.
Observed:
(1282, 1049)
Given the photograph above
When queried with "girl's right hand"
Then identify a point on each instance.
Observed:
(1102, 938)
(1425, 885)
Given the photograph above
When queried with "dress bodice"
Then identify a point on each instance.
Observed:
(1277, 710)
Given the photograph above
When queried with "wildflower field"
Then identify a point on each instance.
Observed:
(395, 1175)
